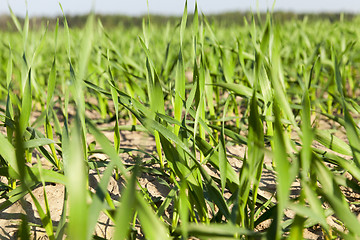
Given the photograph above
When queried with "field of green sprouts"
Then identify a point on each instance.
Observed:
(284, 97)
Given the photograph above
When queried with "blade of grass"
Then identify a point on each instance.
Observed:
(149, 221)
(334, 196)
(255, 153)
(77, 188)
(332, 142)
(184, 209)
(127, 208)
(7, 151)
(180, 75)
(98, 200)
(307, 135)
(350, 126)
(26, 105)
(219, 230)
(223, 162)
(282, 167)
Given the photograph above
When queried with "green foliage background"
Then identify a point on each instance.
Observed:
(197, 85)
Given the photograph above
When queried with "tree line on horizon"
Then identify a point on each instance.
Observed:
(225, 19)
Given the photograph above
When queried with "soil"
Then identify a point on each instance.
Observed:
(10, 218)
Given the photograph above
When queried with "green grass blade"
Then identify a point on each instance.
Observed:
(223, 162)
(307, 135)
(150, 222)
(44, 216)
(278, 81)
(67, 32)
(153, 125)
(207, 150)
(25, 31)
(9, 123)
(107, 148)
(77, 182)
(49, 135)
(238, 89)
(195, 22)
(350, 126)
(7, 151)
(24, 228)
(33, 143)
(51, 85)
(26, 105)
(282, 168)
(60, 231)
(179, 90)
(297, 228)
(183, 24)
(47, 175)
(255, 153)
(9, 69)
(317, 213)
(209, 91)
(205, 231)
(334, 196)
(116, 106)
(16, 21)
(184, 209)
(127, 208)
(214, 192)
(98, 199)
(332, 142)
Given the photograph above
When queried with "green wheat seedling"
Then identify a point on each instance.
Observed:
(283, 95)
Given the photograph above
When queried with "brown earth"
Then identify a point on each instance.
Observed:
(10, 218)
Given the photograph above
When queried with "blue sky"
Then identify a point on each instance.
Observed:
(170, 7)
